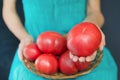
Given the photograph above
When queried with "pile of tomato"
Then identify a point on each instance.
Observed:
(50, 52)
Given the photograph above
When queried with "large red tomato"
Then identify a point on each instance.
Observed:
(84, 39)
(67, 66)
(31, 52)
(52, 42)
(82, 65)
(46, 63)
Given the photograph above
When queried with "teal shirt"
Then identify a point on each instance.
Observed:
(59, 16)
(52, 15)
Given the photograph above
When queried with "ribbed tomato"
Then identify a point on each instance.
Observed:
(46, 63)
(31, 52)
(82, 65)
(84, 39)
(66, 65)
(52, 42)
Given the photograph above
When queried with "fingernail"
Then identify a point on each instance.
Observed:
(93, 56)
(75, 59)
(70, 55)
(101, 48)
(88, 59)
(82, 59)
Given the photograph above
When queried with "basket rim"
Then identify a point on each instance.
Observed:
(30, 66)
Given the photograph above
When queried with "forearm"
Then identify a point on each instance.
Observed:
(94, 13)
(96, 18)
(13, 22)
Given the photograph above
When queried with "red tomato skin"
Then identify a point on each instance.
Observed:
(52, 42)
(66, 65)
(47, 63)
(82, 65)
(83, 39)
(31, 52)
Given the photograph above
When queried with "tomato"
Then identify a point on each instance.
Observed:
(46, 63)
(83, 39)
(52, 42)
(67, 66)
(82, 65)
(31, 52)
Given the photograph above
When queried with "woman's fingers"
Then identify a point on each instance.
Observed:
(91, 57)
(103, 43)
(23, 43)
(102, 46)
(82, 59)
(20, 51)
(73, 58)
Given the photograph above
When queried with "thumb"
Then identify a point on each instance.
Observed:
(103, 42)
(20, 51)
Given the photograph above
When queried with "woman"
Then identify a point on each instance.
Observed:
(59, 16)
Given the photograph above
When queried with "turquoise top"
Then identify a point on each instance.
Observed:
(59, 16)
(52, 15)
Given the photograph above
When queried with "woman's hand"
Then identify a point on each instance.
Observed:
(24, 42)
(94, 15)
(15, 25)
(91, 57)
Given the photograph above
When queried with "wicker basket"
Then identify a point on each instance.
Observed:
(57, 76)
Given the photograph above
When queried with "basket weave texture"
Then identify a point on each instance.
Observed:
(30, 66)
